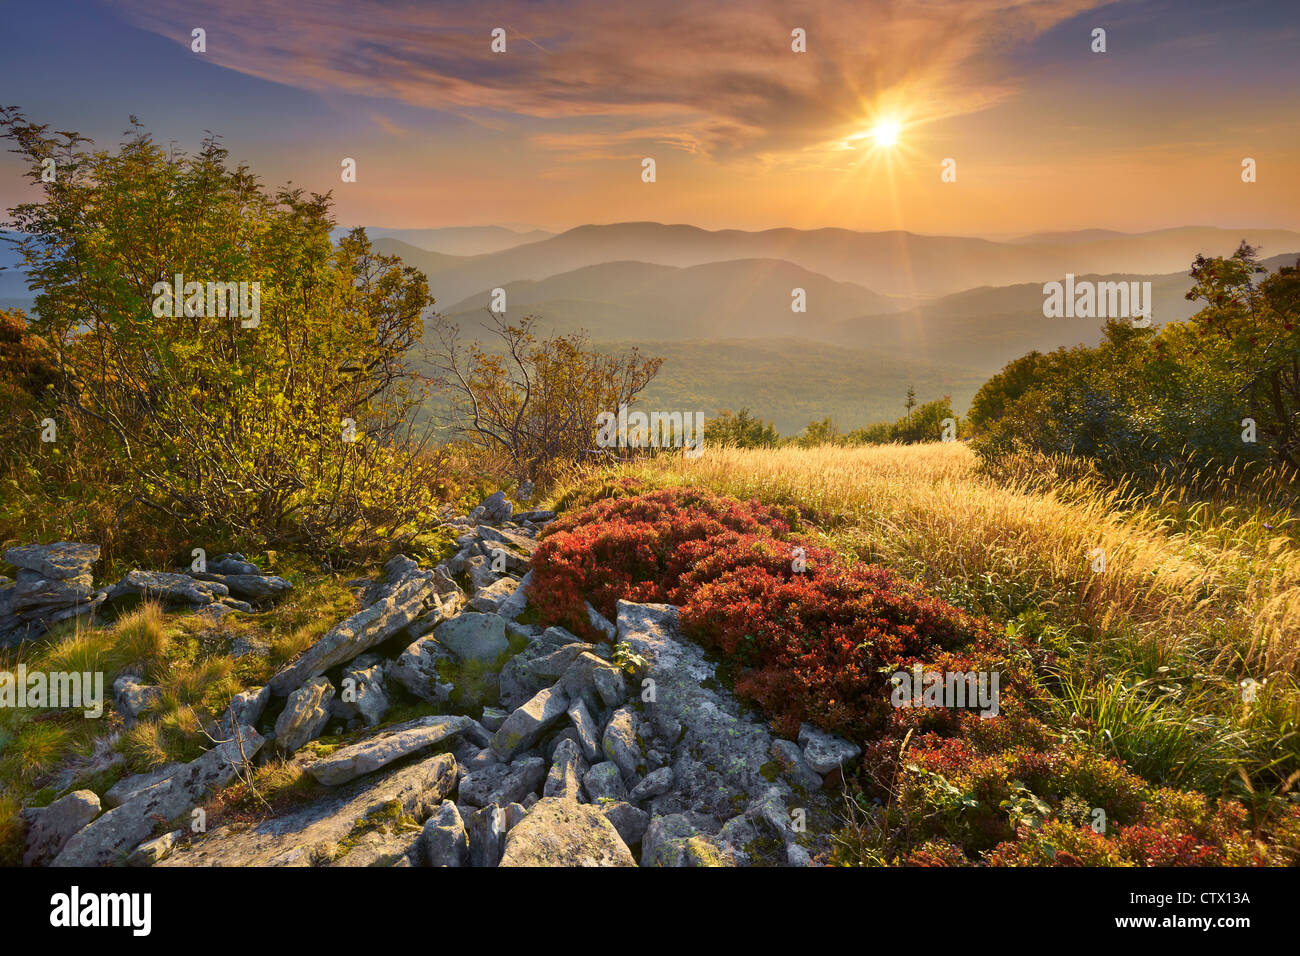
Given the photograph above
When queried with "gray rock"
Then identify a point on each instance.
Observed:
(586, 730)
(487, 834)
(604, 781)
(363, 695)
(394, 743)
(493, 718)
(672, 841)
(258, 588)
(522, 728)
(169, 588)
(494, 509)
(825, 752)
(234, 563)
(444, 841)
(559, 832)
(787, 754)
(507, 540)
(50, 828)
(244, 709)
(304, 716)
(490, 598)
(474, 636)
(630, 822)
(594, 680)
(515, 604)
(620, 743)
(109, 837)
(59, 561)
(132, 698)
(132, 786)
(311, 833)
(153, 851)
(567, 770)
(654, 784)
(359, 633)
(600, 622)
(503, 783)
(416, 669)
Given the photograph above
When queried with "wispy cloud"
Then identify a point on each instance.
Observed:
(713, 79)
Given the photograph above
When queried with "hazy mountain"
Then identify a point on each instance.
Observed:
(889, 263)
(744, 298)
(457, 240)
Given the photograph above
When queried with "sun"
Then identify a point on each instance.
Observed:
(886, 132)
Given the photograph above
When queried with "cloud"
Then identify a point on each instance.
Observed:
(599, 78)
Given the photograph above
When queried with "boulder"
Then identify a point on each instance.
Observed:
(131, 698)
(358, 633)
(654, 784)
(153, 851)
(444, 840)
(567, 770)
(112, 835)
(363, 695)
(132, 786)
(620, 743)
(50, 828)
(586, 730)
(487, 833)
(515, 604)
(793, 765)
(311, 833)
(604, 781)
(474, 636)
(558, 832)
(490, 598)
(826, 752)
(169, 588)
(673, 841)
(258, 588)
(59, 561)
(304, 716)
(522, 728)
(400, 740)
(630, 822)
(502, 783)
(496, 508)
(416, 669)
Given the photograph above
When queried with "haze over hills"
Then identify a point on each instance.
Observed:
(888, 263)
(456, 240)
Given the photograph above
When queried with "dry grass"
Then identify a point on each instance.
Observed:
(1219, 578)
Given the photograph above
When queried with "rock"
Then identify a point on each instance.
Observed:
(506, 540)
(311, 833)
(474, 636)
(720, 754)
(559, 832)
(503, 783)
(59, 561)
(514, 605)
(494, 509)
(387, 843)
(245, 708)
(525, 491)
(672, 841)
(363, 695)
(600, 622)
(480, 573)
(232, 564)
(132, 698)
(416, 669)
(537, 517)
(132, 786)
(155, 850)
(113, 834)
(604, 781)
(655, 783)
(551, 667)
(444, 840)
(620, 743)
(493, 718)
(630, 822)
(826, 752)
(516, 812)
(586, 730)
(304, 716)
(359, 632)
(169, 588)
(522, 728)
(487, 833)
(490, 598)
(258, 588)
(50, 828)
(34, 595)
(594, 680)
(787, 754)
(567, 770)
(394, 743)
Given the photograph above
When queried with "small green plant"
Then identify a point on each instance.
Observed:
(628, 660)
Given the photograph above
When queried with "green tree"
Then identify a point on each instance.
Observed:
(210, 415)
(740, 430)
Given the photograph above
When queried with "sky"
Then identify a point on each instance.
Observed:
(745, 132)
